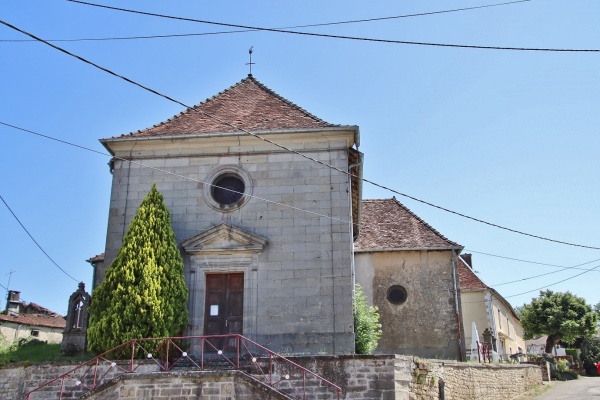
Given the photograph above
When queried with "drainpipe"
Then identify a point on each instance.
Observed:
(351, 223)
(455, 279)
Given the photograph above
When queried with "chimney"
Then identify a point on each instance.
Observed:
(467, 258)
(13, 304)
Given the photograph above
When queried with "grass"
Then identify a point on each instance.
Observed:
(535, 392)
(34, 352)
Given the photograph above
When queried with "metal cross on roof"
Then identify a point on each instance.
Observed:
(250, 63)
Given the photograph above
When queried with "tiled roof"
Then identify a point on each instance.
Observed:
(36, 315)
(467, 278)
(387, 224)
(96, 258)
(249, 105)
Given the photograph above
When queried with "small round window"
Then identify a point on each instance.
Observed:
(396, 294)
(228, 189)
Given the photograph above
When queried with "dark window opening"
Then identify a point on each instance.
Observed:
(228, 189)
(396, 294)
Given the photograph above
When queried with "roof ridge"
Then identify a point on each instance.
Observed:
(425, 223)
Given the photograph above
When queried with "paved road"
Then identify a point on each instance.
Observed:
(580, 389)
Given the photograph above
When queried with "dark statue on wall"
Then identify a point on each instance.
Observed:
(75, 333)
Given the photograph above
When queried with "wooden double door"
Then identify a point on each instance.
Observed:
(224, 306)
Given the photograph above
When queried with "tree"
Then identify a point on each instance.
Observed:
(367, 329)
(144, 292)
(561, 316)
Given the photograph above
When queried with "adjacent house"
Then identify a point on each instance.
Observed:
(266, 215)
(22, 320)
(490, 312)
(538, 347)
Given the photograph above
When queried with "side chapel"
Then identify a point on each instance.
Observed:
(274, 259)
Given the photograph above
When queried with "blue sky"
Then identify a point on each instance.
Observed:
(510, 137)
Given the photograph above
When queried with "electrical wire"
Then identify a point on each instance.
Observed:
(35, 241)
(175, 174)
(550, 273)
(334, 36)
(274, 202)
(236, 128)
(555, 283)
(529, 262)
(285, 27)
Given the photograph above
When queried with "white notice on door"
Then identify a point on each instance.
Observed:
(214, 310)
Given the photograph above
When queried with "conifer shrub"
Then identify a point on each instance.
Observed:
(143, 294)
(367, 328)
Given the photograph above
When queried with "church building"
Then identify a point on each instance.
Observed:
(272, 257)
(266, 215)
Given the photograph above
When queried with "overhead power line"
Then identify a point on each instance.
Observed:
(540, 288)
(555, 283)
(208, 115)
(335, 36)
(530, 262)
(287, 205)
(174, 174)
(285, 27)
(552, 272)
(35, 241)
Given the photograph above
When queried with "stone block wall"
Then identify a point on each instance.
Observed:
(386, 377)
(465, 381)
(185, 385)
(17, 381)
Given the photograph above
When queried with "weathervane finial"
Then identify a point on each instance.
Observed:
(250, 63)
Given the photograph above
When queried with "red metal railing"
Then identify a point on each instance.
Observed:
(233, 352)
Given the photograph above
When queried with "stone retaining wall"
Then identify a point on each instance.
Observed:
(468, 381)
(213, 385)
(385, 377)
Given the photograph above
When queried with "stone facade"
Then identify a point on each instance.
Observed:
(426, 323)
(296, 265)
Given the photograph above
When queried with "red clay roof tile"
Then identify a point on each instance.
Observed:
(388, 224)
(467, 278)
(248, 105)
(35, 315)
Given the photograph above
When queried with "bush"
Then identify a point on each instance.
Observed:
(572, 353)
(564, 375)
(367, 329)
(590, 354)
(562, 365)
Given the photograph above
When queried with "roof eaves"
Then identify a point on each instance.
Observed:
(381, 249)
(224, 134)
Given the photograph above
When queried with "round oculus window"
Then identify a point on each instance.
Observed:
(396, 294)
(228, 189)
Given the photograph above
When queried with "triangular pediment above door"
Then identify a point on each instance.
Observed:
(224, 238)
